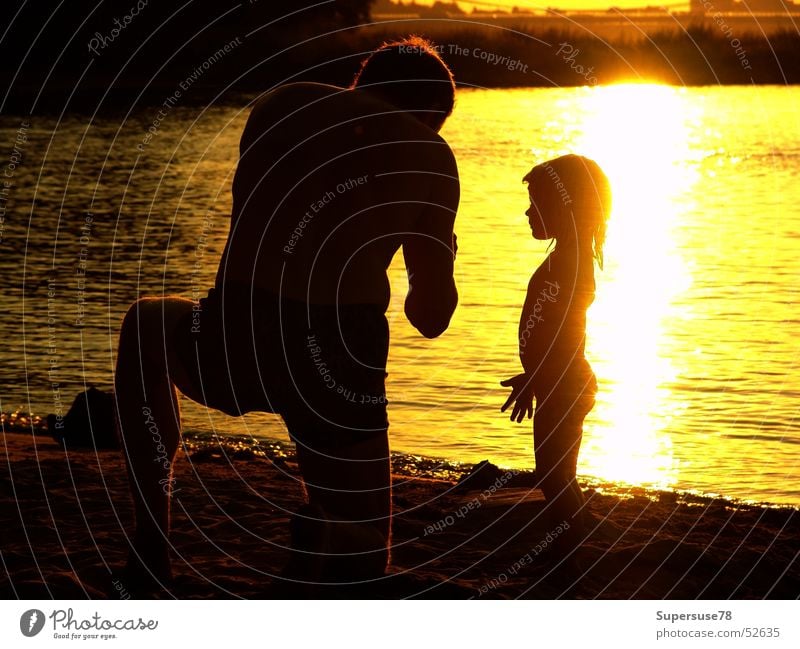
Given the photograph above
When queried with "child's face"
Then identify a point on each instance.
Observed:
(539, 216)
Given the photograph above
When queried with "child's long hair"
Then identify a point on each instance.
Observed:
(582, 190)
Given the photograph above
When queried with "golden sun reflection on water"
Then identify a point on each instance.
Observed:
(638, 133)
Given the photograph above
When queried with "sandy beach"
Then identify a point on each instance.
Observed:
(64, 515)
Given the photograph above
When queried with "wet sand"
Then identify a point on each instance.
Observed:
(64, 517)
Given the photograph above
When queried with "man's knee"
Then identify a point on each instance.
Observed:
(137, 316)
(151, 318)
(144, 332)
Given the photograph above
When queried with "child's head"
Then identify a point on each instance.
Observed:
(570, 200)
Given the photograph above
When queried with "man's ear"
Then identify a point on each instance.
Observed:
(432, 119)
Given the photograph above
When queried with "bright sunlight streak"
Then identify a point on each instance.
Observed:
(638, 135)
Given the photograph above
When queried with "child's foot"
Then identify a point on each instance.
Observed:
(564, 576)
(604, 529)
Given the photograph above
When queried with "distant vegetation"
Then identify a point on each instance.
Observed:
(132, 51)
(106, 54)
(702, 55)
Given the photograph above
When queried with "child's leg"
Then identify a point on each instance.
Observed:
(558, 429)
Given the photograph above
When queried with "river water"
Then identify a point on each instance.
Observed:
(694, 334)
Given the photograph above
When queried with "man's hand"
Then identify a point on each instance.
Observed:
(521, 396)
(429, 250)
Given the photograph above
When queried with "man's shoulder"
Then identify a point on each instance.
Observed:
(320, 104)
(302, 91)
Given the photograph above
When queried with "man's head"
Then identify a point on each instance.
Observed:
(411, 75)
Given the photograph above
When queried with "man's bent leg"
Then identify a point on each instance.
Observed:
(149, 424)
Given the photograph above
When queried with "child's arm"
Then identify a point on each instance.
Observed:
(544, 318)
(521, 395)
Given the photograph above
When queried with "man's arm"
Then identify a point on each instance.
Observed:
(429, 253)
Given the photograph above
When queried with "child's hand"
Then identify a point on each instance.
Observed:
(522, 396)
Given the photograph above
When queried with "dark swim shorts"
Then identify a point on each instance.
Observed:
(321, 367)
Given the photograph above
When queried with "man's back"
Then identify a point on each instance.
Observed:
(330, 183)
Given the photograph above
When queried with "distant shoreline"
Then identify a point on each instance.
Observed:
(707, 52)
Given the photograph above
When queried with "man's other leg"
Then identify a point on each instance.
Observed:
(148, 371)
(351, 485)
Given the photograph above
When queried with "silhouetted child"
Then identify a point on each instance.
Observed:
(570, 202)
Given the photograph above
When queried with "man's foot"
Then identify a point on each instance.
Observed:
(147, 575)
(309, 552)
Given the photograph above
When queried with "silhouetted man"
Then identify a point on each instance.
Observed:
(330, 183)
